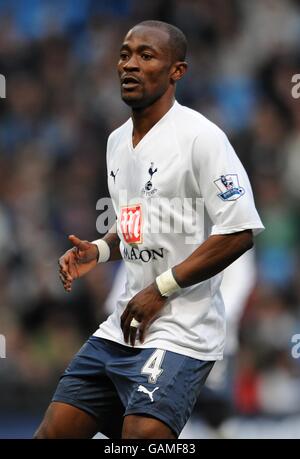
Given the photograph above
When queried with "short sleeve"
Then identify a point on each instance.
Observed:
(224, 185)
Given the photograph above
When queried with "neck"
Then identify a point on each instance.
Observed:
(144, 119)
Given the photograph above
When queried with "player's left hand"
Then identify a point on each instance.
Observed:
(143, 307)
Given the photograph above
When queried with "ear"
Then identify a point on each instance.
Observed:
(178, 70)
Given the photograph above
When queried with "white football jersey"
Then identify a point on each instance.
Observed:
(182, 183)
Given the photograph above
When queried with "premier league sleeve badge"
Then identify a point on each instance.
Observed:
(229, 187)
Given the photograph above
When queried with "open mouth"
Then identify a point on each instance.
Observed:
(129, 82)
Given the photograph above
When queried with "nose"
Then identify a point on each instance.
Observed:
(131, 64)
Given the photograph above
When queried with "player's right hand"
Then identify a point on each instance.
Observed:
(77, 261)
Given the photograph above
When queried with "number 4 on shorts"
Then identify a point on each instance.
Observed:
(152, 366)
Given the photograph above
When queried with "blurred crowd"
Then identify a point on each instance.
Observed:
(62, 101)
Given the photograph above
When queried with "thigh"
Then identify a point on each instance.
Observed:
(96, 397)
(165, 385)
(63, 421)
(146, 427)
(86, 386)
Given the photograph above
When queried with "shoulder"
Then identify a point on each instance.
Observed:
(117, 136)
(192, 126)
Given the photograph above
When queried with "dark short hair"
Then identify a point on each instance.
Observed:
(177, 39)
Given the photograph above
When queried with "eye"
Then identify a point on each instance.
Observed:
(123, 56)
(147, 56)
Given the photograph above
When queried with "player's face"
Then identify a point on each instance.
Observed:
(145, 66)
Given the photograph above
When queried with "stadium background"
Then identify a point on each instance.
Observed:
(62, 100)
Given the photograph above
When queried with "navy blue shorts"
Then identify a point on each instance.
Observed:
(109, 381)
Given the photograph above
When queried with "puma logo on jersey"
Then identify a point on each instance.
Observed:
(113, 175)
(148, 392)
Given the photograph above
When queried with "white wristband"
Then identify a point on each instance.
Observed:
(166, 283)
(104, 250)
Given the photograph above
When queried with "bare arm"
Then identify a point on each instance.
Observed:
(212, 257)
(113, 240)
